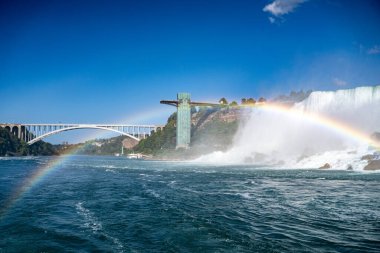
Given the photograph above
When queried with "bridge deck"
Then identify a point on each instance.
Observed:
(31, 133)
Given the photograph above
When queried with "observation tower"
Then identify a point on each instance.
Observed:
(184, 104)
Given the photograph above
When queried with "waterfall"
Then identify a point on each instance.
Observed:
(277, 139)
(359, 107)
(321, 101)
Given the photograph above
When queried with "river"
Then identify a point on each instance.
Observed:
(112, 204)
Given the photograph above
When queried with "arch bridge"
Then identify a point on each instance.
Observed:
(32, 133)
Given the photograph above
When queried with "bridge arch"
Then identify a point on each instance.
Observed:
(15, 131)
(79, 127)
(8, 128)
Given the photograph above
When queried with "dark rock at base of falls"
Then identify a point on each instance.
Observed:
(325, 166)
(373, 165)
(368, 157)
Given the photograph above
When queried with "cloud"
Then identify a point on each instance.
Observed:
(272, 19)
(374, 50)
(279, 8)
(339, 82)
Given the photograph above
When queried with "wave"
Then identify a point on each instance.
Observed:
(93, 223)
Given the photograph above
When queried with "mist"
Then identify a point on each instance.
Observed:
(287, 140)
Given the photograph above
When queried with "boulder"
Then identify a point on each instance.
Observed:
(325, 166)
(373, 165)
(368, 157)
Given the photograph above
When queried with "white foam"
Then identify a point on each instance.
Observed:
(89, 218)
(276, 139)
(153, 193)
(93, 223)
(337, 159)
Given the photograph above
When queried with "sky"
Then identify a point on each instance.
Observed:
(113, 61)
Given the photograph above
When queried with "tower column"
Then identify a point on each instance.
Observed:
(183, 120)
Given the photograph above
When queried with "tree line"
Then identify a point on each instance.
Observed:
(244, 101)
(10, 145)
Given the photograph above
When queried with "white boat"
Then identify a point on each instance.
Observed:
(134, 156)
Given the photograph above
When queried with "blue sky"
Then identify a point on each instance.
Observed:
(113, 61)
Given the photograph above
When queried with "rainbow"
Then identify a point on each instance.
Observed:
(36, 177)
(57, 162)
(323, 121)
(314, 118)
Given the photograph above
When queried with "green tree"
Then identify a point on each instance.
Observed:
(223, 101)
(164, 139)
(11, 145)
(262, 100)
(251, 101)
(233, 103)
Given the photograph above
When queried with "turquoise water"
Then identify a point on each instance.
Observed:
(110, 204)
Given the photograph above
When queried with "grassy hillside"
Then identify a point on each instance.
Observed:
(160, 141)
(210, 131)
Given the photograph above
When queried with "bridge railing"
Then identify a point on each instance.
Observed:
(33, 132)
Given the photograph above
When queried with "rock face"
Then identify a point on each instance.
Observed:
(325, 166)
(129, 143)
(376, 136)
(201, 118)
(373, 165)
(368, 157)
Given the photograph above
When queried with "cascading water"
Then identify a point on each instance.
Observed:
(359, 107)
(271, 137)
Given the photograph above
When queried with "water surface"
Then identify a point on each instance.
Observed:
(110, 204)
